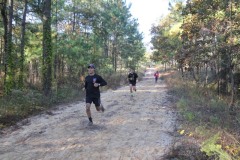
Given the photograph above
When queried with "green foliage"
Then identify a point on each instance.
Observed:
(214, 120)
(116, 80)
(20, 104)
(217, 106)
(182, 104)
(204, 114)
(202, 131)
(212, 148)
(58, 48)
(166, 36)
(189, 116)
(201, 35)
(66, 94)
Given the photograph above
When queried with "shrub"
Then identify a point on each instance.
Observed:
(212, 148)
(215, 120)
(182, 105)
(189, 116)
(206, 114)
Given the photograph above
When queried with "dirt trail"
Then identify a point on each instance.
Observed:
(138, 127)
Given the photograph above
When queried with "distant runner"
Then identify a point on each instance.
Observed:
(92, 84)
(132, 78)
(156, 75)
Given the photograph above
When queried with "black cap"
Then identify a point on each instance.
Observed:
(91, 65)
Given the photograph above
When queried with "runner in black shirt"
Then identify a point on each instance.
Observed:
(132, 78)
(92, 84)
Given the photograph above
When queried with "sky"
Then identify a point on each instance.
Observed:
(148, 12)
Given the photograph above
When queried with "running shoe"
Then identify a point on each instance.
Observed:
(90, 123)
(102, 108)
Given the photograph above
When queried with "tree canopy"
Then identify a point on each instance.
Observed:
(49, 43)
(202, 37)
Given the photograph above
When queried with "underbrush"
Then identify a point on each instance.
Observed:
(115, 80)
(21, 104)
(206, 118)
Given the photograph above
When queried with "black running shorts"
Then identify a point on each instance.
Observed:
(132, 83)
(96, 101)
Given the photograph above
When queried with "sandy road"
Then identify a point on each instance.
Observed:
(138, 127)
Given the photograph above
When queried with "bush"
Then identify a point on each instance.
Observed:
(204, 115)
(21, 104)
(189, 116)
(212, 148)
(182, 105)
(214, 120)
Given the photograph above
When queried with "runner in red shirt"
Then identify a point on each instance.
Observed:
(156, 75)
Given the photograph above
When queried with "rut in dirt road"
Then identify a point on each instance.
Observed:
(138, 127)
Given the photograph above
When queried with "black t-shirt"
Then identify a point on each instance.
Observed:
(91, 91)
(132, 77)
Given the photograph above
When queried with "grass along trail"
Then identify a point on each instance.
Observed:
(139, 127)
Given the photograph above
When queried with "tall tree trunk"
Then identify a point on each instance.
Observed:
(115, 62)
(206, 74)
(22, 44)
(74, 17)
(116, 58)
(47, 48)
(1, 56)
(223, 88)
(114, 53)
(106, 48)
(230, 63)
(57, 56)
(55, 64)
(8, 59)
(231, 74)
(5, 26)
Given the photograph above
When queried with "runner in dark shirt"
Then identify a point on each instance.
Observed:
(92, 84)
(132, 78)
